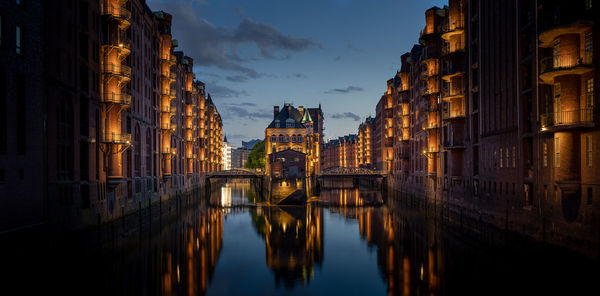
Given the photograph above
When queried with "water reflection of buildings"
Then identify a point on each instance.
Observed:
(189, 254)
(293, 241)
(351, 197)
(233, 194)
(408, 252)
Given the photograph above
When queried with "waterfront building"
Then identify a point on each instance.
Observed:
(293, 128)
(109, 118)
(494, 116)
(341, 152)
(227, 148)
(365, 143)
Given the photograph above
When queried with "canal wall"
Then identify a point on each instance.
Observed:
(541, 222)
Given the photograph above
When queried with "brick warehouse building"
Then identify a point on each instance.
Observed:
(101, 116)
(495, 117)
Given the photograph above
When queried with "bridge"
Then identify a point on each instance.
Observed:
(350, 172)
(350, 177)
(234, 174)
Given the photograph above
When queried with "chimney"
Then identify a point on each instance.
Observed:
(301, 109)
(275, 111)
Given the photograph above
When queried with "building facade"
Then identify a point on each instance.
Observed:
(293, 128)
(109, 117)
(494, 116)
(341, 153)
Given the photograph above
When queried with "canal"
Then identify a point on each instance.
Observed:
(346, 241)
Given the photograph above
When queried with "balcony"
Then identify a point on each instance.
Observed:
(455, 27)
(123, 44)
(453, 115)
(429, 126)
(116, 138)
(452, 93)
(551, 67)
(118, 70)
(425, 91)
(168, 58)
(123, 99)
(166, 126)
(168, 109)
(555, 27)
(567, 119)
(120, 13)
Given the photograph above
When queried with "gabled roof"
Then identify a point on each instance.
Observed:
(288, 112)
(306, 117)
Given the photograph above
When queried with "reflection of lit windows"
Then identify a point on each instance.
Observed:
(545, 153)
(514, 157)
(588, 150)
(557, 152)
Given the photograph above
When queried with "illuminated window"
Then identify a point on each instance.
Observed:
(294, 139)
(507, 157)
(280, 138)
(18, 40)
(299, 139)
(588, 150)
(557, 152)
(545, 155)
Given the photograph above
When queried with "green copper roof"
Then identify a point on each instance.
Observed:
(306, 117)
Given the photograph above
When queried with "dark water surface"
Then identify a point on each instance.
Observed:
(238, 245)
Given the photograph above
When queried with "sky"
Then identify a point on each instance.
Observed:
(255, 54)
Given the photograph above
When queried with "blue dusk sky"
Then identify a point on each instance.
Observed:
(254, 54)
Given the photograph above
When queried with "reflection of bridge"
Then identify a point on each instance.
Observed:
(351, 172)
(256, 179)
(234, 173)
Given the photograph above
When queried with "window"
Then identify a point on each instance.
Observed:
(545, 153)
(18, 40)
(556, 53)
(588, 150)
(514, 157)
(589, 96)
(588, 47)
(273, 139)
(556, 103)
(557, 152)
(299, 139)
(294, 139)
(507, 157)
(280, 138)
(501, 158)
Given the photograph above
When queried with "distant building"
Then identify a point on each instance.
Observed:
(239, 156)
(250, 144)
(341, 152)
(226, 154)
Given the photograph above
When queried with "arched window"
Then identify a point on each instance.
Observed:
(64, 139)
(148, 153)
(287, 139)
(294, 139)
(280, 138)
(137, 157)
(299, 138)
(273, 139)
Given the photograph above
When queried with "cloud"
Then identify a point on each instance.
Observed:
(242, 104)
(345, 115)
(219, 47)
(237, 78)
(344, 90)
(296, 75)
(240, 10)
(239, 112)
(219, 91)
(351, 47)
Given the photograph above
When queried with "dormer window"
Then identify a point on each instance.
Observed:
(289, 124)
(277, 123)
